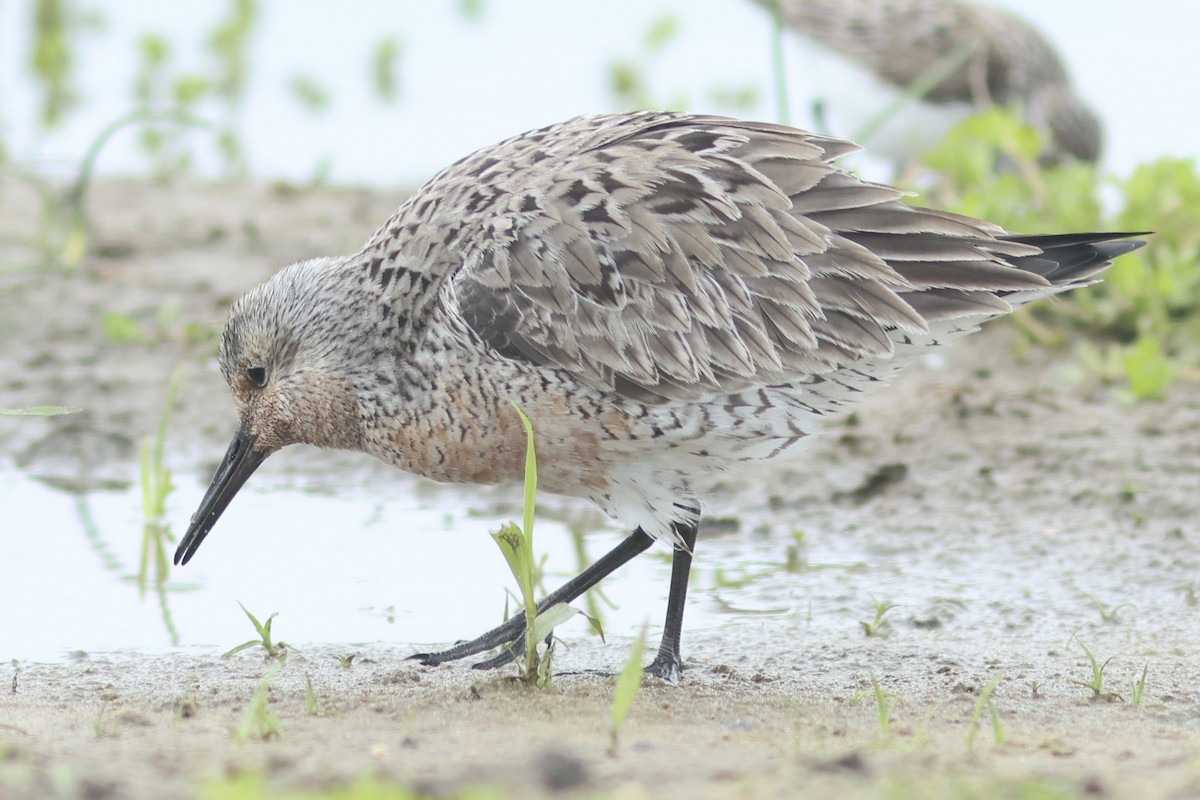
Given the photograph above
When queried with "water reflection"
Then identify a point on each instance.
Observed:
(383, 557)
(155, 540)
(339, 566)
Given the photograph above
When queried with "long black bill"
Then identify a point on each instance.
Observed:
(239, 464)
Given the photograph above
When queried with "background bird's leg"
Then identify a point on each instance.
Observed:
(514, 628)
(668, 664)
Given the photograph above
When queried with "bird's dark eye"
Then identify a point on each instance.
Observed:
(257, 376)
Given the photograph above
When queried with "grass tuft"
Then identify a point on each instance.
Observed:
(271, 648)
(985, 700)
(259, 721)
(1096, 682)
(878, 626)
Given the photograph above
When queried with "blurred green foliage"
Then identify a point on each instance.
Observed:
(57, 26)
(311, 95)
(385, 69)
(1142, 323)
(218, 88)
(630, 77)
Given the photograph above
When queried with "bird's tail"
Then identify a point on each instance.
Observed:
(1069, 260)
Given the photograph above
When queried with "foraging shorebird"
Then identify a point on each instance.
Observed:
(992, 57)
(663, 295)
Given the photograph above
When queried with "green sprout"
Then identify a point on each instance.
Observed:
(629, 683)
(878, 626)
(1137, 687)
(1096, 684)
(883, 707)
(273, 649)
(259, 721)
(985, 700)
(516, 543)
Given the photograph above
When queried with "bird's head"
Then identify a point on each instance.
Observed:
(291, 352)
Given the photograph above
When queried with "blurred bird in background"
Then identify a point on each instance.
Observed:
(953, 58)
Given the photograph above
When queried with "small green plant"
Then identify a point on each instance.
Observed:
(883, 708)
(310, 700)
(516, 543)
(1110, 615)
(1137, 687)
(629, 683)
(985, 700)
(272, 649)
(877, 625)
(99, 728)
(63, 237)
(1096, 683)
(795, 559)
(259, 721)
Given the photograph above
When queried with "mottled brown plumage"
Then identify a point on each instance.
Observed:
(662, 294)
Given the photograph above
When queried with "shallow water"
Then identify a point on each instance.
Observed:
(352, 561)
(370, 559)
(348, 564)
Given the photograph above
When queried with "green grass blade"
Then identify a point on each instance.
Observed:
(38, 411)
(530, 475)
(922, 85)
(883, 708)
(259, 721)
(629, 683)
(243, 646)
(550, 619)
(985, 700)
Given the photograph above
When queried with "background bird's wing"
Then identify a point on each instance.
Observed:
(690, 256)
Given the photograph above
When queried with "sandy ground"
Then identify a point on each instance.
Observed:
(1003, 491)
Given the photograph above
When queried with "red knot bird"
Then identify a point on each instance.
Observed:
(664, 295)
(989, 56)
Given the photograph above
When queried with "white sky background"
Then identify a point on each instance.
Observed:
(525, 64)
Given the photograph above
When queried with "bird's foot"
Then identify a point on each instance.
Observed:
(505, 656)
(667, 667)
(512, 631)
(475, 646)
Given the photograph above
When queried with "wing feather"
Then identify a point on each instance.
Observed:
(670, 257)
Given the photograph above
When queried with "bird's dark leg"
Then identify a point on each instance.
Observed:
(668, 664)
(513, 629)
